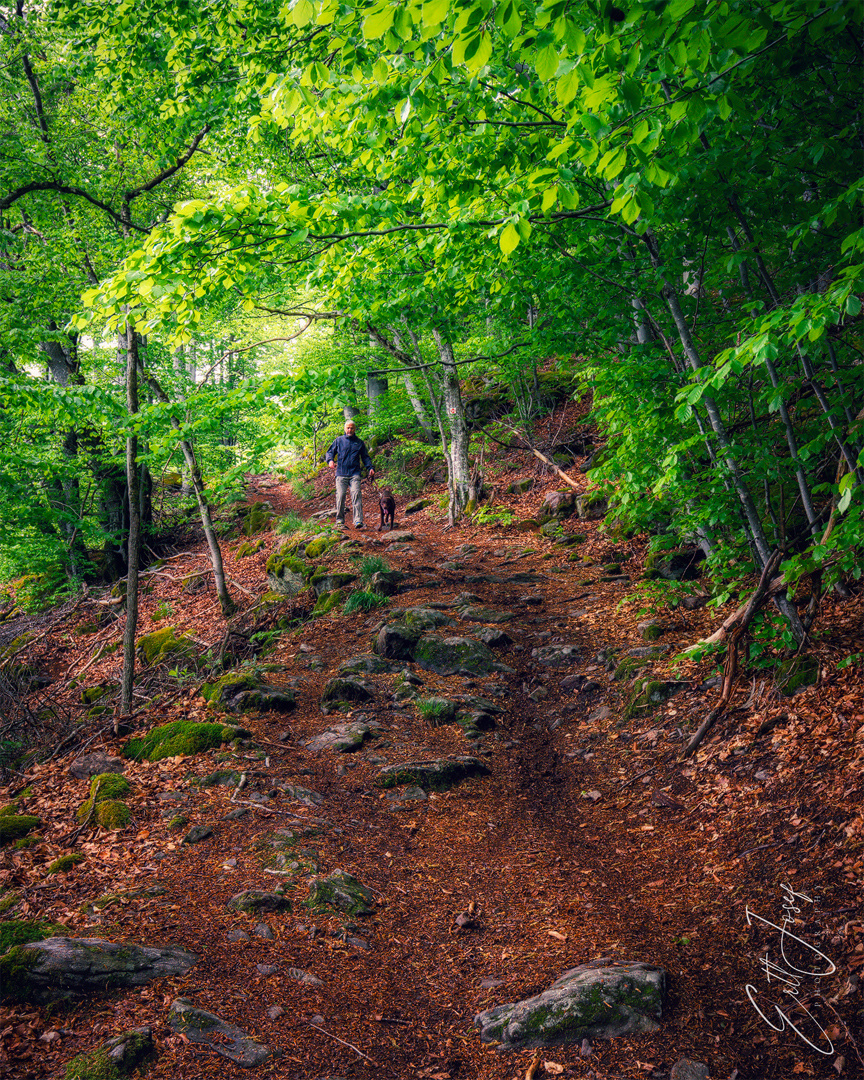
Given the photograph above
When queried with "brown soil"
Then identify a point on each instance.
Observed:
(591, 838)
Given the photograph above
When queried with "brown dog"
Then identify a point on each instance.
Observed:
(387, 505)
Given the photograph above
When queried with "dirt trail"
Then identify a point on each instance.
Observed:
(563, 854)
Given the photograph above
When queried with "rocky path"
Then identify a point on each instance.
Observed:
(444, 812)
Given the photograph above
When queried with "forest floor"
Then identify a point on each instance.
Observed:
(591, 836)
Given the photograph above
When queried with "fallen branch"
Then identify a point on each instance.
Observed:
(536, 453)
(730, 670)
(53, 626)
(350, 1046)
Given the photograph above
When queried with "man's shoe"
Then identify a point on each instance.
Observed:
(360, 526)
(338, 524)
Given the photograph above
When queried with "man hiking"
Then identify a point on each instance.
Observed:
(345, 456)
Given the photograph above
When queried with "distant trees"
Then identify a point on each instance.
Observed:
(674, 196)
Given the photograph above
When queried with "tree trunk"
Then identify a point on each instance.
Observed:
(463, 497)
(225, 601)
(134, 545)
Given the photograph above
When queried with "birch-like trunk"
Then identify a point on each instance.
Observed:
(463, 497)
(226, 603)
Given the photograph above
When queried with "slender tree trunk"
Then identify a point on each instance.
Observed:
(226, 603)
(463, 497)
(134, 544)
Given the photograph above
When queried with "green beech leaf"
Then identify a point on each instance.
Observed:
(509, 239)
(378, 23)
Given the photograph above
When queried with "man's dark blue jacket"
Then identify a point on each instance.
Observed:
(348, 451)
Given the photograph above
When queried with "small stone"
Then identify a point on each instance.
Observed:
(262, 930)
(266, 969)
(490, 984)
(50, 1036)
(197, 834)
(238, 935)
(95, 765)
(685, 1069)
(274, 1012)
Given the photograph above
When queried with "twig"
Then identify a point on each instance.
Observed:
(70, 837)
(241, 783)
(350, 1046)
(638, 776)
(730, 671)
(242, 588)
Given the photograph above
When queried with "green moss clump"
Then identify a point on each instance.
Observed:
(14, 826)
(103, 787)
(627, 669)
(648, 694)
(180, 737)
(113, 814)
(65, 863)
(251, 547)
(8, 901)
(316, 548)
(9, 810)
(258, 517)
(16, 932)
(326, 602)
(91, 694)
(163, 644)
(179, 821)
(27, 842)
(278, 562)
(94, 1066)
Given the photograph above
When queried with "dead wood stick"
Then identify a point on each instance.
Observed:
(638, 776)
(537, 454)
(350, 1046)
(729, 624)
(241, 783)
(730, 670)
(242, 588)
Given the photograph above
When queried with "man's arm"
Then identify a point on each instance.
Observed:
(329, 456)
(364, 454)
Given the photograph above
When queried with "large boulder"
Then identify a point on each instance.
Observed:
(342, 692)
(591, 506)
(63, 967)
(558, 504)
(453, 656)
(425, 619)
(239, 693)
(396, 642)
(598, 1000)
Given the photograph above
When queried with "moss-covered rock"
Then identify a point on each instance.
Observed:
(327, 581)
(453, 656)
(117, 1058)
(648, 695)
(438, 775)
(329, 601)
(345, 690)
(257, 517)
(256, 900)
(113, 814)
(91, 694)
(251, 547)
(180, 737)
(342, 892)
(65, 863)
(164, 645)
(596, 1000)
(62, 967)
(103, 787)
(628, 669)
(15, 826)
(318, 546)
(797, 672)
(591, 506)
